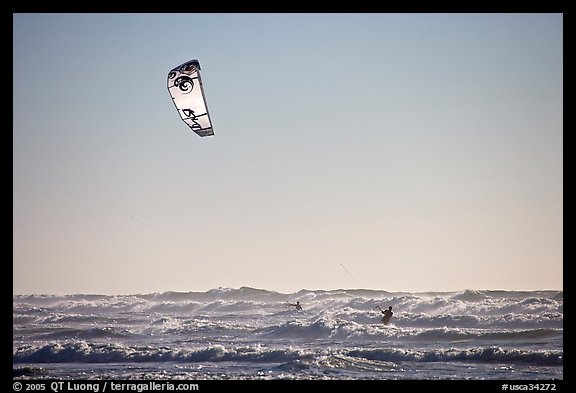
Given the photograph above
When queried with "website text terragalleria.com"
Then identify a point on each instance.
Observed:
(104, 386)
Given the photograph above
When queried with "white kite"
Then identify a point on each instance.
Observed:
(185, 88)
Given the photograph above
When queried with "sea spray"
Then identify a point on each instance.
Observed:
(249, 333)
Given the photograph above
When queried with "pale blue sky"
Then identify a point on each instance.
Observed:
(419, 151)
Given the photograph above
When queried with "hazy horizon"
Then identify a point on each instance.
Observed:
(472, 290)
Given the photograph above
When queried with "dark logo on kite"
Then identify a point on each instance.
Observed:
(192, 116)
(184, 83)
(189, 68)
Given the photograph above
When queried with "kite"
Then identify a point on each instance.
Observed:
(185, 88)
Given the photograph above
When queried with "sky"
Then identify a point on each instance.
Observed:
(398, 152)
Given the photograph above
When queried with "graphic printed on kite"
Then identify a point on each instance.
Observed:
(185, 88)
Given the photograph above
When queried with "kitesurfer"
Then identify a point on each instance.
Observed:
(387, 314)
(297, 305)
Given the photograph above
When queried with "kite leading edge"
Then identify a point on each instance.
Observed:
(185, 88)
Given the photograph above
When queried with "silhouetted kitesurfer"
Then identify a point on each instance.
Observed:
(387, 314)
(297, 305)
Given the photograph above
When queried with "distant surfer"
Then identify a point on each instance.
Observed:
(297, 305)
(387, 314)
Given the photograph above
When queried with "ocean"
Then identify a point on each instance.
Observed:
(252, 334)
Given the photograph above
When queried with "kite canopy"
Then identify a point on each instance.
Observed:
(185, 88)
